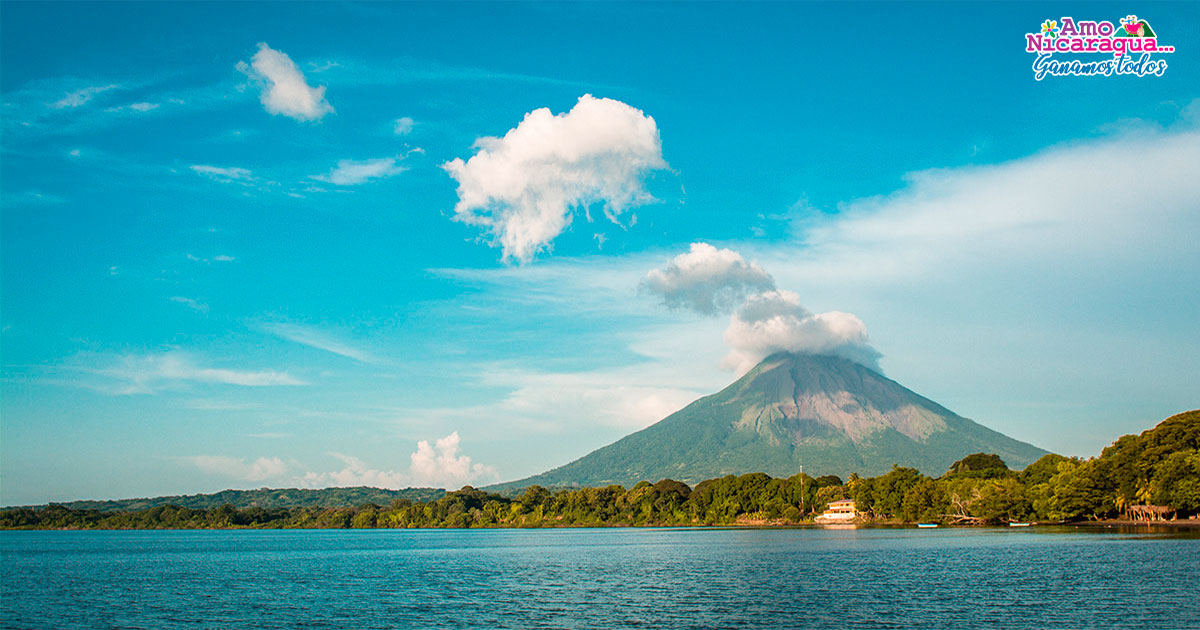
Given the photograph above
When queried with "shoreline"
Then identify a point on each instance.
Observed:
(1190, 523)
(1185, 524)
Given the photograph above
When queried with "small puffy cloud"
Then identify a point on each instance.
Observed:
(147, 374)
(261, 469)
(403, 126)
(436, 465)
(81, 96)
(284, 88)
(354, 172)
(706, 280)
(524, 188)
(775, 321)
(440, 465)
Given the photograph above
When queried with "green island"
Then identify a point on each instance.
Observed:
(1158, 469)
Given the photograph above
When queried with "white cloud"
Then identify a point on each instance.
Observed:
(606, 401)
(403, 126)
(261, 469)
(440, 465)
(284, 88)
(353, 172)
(319, 339)
(137, 107)
(355, 473)
(147, 374)
(436, 465)
(706, 280)
(218, 258)
(524, 188)
(775, 321)
(604, 398)
(81, 96)
(190, 303)
(32, 197)
(1063, 204)
(710, 281)
(225, 174)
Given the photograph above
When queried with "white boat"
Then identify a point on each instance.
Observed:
(926, 525)
(1018, 524)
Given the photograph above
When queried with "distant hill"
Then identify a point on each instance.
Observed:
(828, 414)
(267, 498)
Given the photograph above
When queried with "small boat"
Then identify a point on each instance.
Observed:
(1018, 524)
(926, 525)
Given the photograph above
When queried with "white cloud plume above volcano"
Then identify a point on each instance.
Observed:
(711, 281)
(776, 322)
(706, 280)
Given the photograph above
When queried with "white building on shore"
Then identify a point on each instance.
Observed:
(843, 511)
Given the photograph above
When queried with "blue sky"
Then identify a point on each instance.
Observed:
(235, 251)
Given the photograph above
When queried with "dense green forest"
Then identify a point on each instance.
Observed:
(1161, 466)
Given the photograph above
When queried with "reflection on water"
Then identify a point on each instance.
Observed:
(602, 578)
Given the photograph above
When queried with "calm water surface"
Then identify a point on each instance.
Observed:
(600, 578)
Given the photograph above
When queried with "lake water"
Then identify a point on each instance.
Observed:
(600, 578)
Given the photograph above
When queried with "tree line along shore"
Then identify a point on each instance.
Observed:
(1160, 467)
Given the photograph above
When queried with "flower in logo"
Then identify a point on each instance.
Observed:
(1050, 28)
(1131, 24)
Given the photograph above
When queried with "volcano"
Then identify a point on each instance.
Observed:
(827, 414)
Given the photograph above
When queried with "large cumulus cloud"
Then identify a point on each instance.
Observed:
(523, 189)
